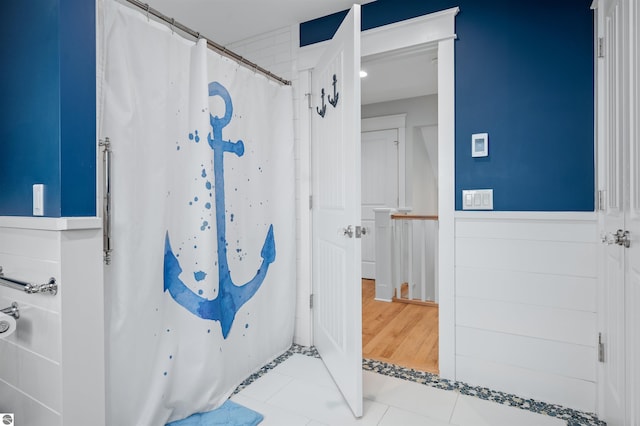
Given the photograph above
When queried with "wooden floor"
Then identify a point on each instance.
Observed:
(399, 333)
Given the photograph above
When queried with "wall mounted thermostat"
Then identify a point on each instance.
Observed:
(480, 145)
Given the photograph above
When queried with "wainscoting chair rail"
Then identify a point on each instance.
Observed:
(49, 287)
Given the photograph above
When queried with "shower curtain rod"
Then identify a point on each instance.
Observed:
(210, 43)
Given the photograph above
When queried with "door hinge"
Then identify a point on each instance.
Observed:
(311, 301)
(310, 202)
(601, 200)
(308, 95)
(600, 348)
(600, 47)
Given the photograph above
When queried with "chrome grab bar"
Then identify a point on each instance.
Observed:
(50, 287)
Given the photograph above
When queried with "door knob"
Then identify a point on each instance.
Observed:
(620, 238)
(348, 231)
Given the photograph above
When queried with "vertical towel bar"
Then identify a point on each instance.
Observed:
(106, 201)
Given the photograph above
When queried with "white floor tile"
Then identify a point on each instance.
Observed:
(410, 396)
(273, 416)
(399, 417)
(300, 392)
(266, 386)
(324, 404)
(306, 368)
(470, 411)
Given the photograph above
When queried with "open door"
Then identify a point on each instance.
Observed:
(335, 152)
(619, 220)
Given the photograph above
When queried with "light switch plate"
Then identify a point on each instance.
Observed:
(38, 199)
(477, 199)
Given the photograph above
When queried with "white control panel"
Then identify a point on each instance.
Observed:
(477, 199)
(480, 145)
(38, 199)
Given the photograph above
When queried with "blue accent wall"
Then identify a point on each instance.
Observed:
(524, 74)
(47, 107)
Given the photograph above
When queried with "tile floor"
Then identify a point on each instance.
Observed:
(300, 391)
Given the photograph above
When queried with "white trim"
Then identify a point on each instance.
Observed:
(446, 207)
(431, 28)
(389, 122)
(384, 122)
(50, 223)
(503, 215)
(434, 27)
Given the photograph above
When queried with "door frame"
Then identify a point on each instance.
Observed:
(434, 28)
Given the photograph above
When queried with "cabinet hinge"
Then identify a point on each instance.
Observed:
(310, 202)
(311, 301)
(600, 47)
(600, 348)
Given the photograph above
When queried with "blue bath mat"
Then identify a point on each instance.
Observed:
(228, 414)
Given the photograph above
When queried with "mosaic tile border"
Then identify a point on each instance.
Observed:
(572, 417)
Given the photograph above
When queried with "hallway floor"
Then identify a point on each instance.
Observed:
(399, 333)
(300, 391)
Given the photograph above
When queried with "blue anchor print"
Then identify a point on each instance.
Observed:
(230, 297)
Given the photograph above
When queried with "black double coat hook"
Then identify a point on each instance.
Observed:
(333, 101)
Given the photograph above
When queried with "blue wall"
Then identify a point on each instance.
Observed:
(47, 107)
(524, 74)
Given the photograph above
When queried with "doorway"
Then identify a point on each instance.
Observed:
(379, 187)
(437, 29)
(399, 171)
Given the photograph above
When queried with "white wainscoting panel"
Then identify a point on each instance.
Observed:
(547, 356)
(562, 325)
(553, 388)
(52, 369)
(525, 307)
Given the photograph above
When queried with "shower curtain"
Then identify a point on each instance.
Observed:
(200, 292)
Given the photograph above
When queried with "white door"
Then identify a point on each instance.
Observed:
(335, 145)
(620, 388)
(379, 187)
(612, 303)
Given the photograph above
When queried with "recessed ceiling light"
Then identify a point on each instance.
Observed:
(363, 74)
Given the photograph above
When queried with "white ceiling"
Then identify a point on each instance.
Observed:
(399, 75)
(229, 21)
(391, 76)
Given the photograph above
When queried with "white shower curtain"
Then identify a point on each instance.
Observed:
(201, 289)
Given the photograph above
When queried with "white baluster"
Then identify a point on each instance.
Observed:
(423, 260)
